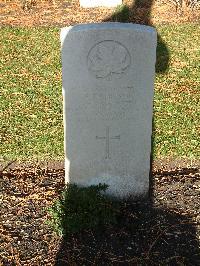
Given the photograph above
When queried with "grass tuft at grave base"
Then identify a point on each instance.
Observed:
(82, 208)
(31, 98)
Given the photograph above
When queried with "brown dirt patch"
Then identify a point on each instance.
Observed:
(64, 13)
(163, 231)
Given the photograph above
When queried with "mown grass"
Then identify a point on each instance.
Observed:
(31, 99)
(177, 95)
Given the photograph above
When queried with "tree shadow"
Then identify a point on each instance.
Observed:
(145, 235)
(140, 12)
(148, 232)
(158, 231)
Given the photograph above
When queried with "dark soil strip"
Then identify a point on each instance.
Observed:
(163, 231)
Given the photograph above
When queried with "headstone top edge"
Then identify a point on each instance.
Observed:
(107, 26)
(63, 32)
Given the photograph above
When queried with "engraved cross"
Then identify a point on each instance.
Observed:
(107, 139)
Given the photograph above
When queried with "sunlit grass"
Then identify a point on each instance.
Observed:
(31, 99)
(177, 95)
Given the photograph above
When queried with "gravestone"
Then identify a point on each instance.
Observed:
(100, 3)
(108, 76)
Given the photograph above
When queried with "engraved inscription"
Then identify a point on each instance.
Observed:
(105, 104)
(107, 138)
(107, 58)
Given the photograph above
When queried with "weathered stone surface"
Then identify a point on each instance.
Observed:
(98, 3)
(108, 75)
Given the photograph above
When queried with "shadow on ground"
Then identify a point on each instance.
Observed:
(146, 235)
(140, 12)
(161, 231)
(150, 232)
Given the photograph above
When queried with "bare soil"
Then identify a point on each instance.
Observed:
(64, 13)
(165, 230)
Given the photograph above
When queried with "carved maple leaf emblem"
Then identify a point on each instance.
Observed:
(107, 58)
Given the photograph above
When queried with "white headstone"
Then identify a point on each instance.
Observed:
(98, 3)
(108, 75)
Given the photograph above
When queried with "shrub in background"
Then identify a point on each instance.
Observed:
(80, 208)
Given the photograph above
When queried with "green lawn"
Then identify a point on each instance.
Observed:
(31, 97)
